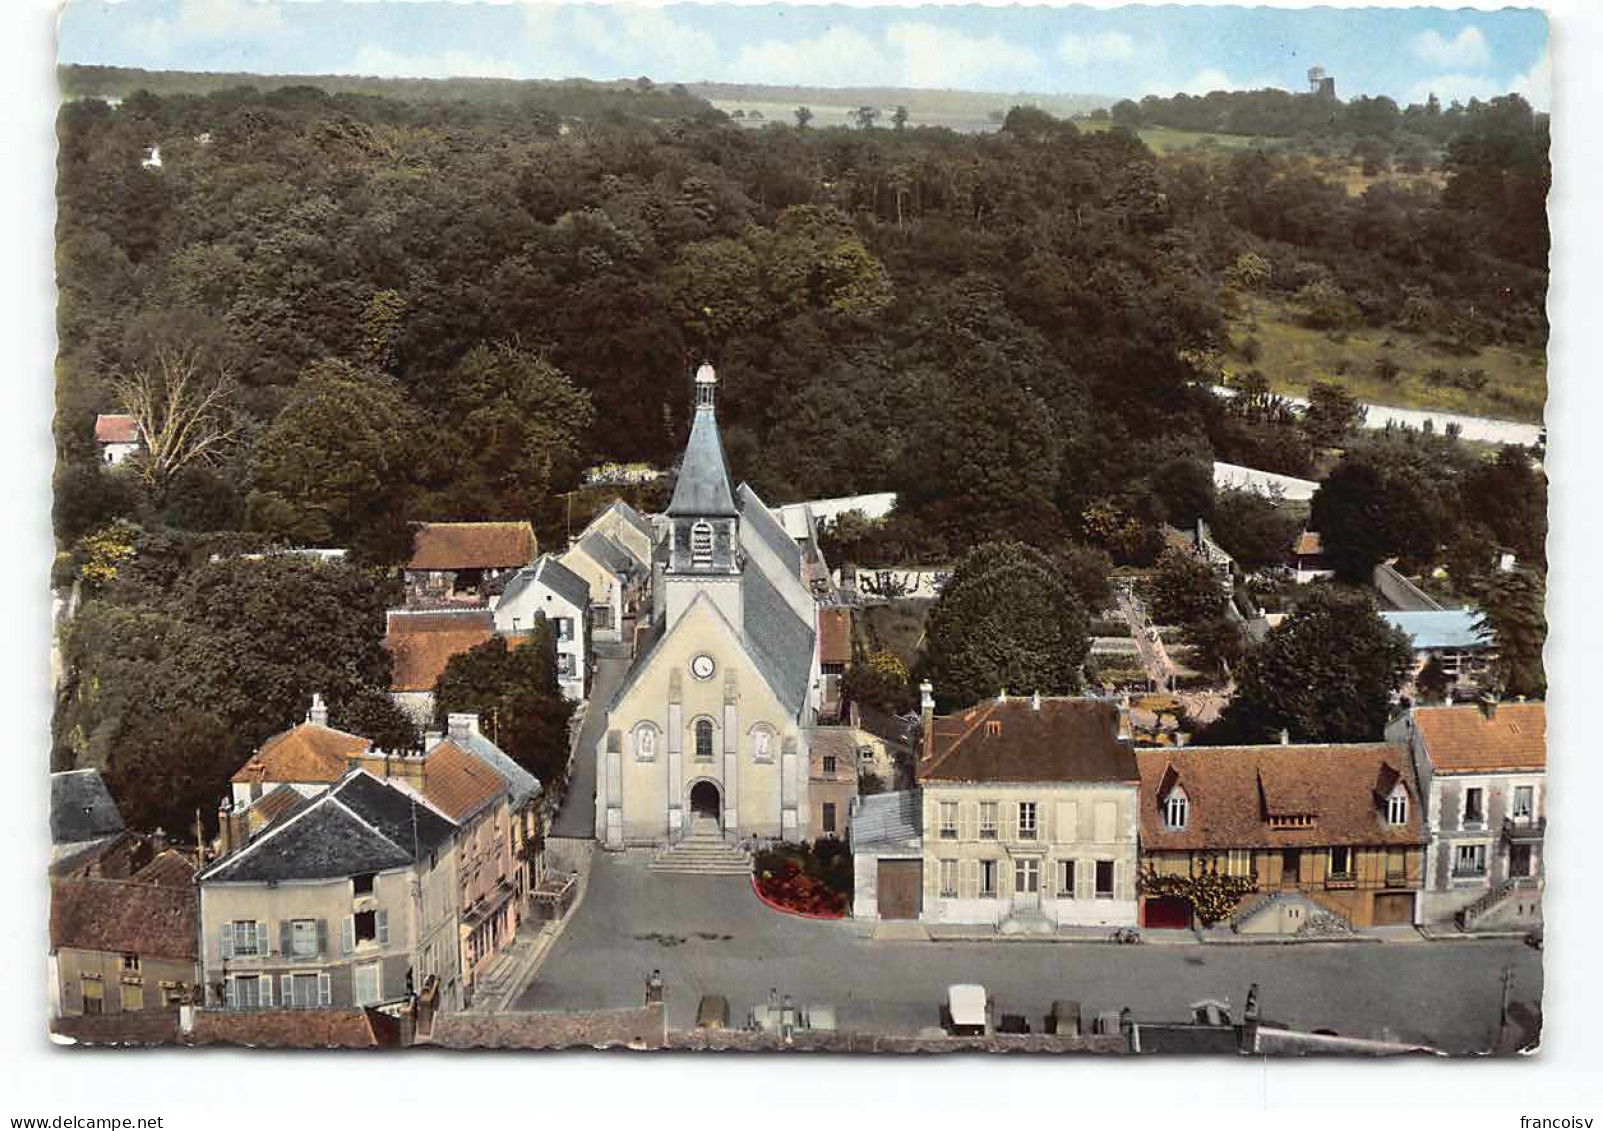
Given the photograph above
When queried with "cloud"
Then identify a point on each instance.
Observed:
(908, 53)
(627, 37)
(839, 57)
(935, 56)
(381, 61)
(1205, 81)
(1536, 84)
(1465, 51)
(1107, 47)
(206, 21)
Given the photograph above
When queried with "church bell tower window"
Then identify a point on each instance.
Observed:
(701, 544)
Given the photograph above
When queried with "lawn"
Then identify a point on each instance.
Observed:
(1161, 139)
(1294, 356)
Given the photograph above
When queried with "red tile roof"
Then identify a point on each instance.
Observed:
(834, 636)
(295, 1028)
(170, 868)
(123, 917)
(1233, 791)
(1061, 740)
(1511, 736)
(1308, 544)
(472, 545)
(458, 783)
(116, 428)
(304, 753)
(421, 644)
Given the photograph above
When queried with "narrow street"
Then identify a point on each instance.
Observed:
(577, 817)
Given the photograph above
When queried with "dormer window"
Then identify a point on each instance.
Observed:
(701, 543)
(1397, 807)
(1176, 809)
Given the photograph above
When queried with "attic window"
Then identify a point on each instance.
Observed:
(1176, 810)
(701, 543)
(1290, 821)
(1397, 808)
(993, 727)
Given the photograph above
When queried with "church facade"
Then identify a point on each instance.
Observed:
(707, 735)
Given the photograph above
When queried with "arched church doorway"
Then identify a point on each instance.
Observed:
(706, 807)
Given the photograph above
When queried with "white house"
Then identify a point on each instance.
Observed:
(117, 436)
(549, 589)
(1483, 773)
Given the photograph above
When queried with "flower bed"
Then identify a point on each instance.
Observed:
(786, 887)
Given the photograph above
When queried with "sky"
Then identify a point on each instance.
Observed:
(1405, 53)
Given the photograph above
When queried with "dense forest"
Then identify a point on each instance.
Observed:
(386, 307)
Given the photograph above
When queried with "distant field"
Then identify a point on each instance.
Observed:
(1293, 357)
(1161, 139)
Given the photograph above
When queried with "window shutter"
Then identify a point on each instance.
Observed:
(347, 935)
(322, 937)
(285, 946)
(261, 938)
(265, 985)
(968, 820)
(1119, 877)
(1068, 822)
(968, 879)
(228, 947)
(382, 927)
(228, 992)
(1012, 818)
(322, 989)
(286, 989)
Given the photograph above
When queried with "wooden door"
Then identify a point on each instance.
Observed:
(901, 889)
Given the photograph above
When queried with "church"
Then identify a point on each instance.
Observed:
(707, 735)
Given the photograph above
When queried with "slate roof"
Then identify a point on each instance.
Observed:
(1232, 791)
(124, 917)
(606, 551)
(304, 753)
(361, 825)
(421, 644)
(81, 807)
(520, 782)
(702, 485)
(1441, 628)
(1467, 739)
(169, 868)
(888, 819)
(757, 520)
(1062, 740)
(116, 428)
(892, 729)
(633, 517)
(354, 1028)
(835, 636)
(780, 643)
(458, 783)
(472, 545)
(555, 576)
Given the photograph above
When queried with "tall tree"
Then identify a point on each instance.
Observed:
(514, 692)
(1512, 611)
(183, 411)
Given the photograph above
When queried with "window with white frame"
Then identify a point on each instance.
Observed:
(948, 879)
(701, 543)
(303, 938)
(1524, 802)
(246, 940)
(829, 765)
(948, 812)
(989, 817)
(1176, 810)
(1474, 806)
(367, 984)
(1104, 879)
(703, 740)
(1238, 862)
(1397, 807)
(245, 991)
(1065, 879)
(987, 879)
(1027, 826)
(302, 991)
(1470, 860)
(1026, 876)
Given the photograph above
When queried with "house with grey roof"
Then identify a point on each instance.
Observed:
(707, 737)
(351, 901)
(615, 580)
(83, 815)
(887, 838)
(551, 591)
(1456, 638)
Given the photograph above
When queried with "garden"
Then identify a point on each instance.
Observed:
(806, 879)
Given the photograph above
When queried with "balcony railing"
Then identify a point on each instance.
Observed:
(1524, 830)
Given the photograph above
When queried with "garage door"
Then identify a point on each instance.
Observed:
(901, 889)
(1394, 907)
(1167, 911)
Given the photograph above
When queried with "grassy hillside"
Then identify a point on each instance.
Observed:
(1161, 139)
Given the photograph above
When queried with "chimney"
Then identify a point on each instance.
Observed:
(926, 701)
(1001, 696)
(431, 739)
(1285, 737)
(1035, 701)
(1181, 738)
(318, 715)
(461, 726)
(225, 826)
(1488, 703)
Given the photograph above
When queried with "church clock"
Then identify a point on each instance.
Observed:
(702, 666)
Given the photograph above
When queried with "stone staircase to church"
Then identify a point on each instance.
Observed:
(703, 856)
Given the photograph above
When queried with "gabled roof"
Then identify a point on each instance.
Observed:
(116, 428)
(1233, 791)
(552, 574)
(607, 552)
(361, 825)
(779, 642)
(520, 782)
(306, 752)
(124, 917)
(758, 521)
(1064, 739)
(834, 635)
(81, 807)
(421, 644)
(168, 868)
(1508, 738)
(702, 487)
(472, 545)
(887, 819)
(457, 783)
(1441, 628)
(633, 517)
(354, 1028)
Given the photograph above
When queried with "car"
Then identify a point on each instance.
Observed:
(1063, 1019)
(968, 1010)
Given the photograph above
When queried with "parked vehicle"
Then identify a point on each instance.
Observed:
(967, 1012)
(713, 1012)
(1125, 935)
(1063, 1019)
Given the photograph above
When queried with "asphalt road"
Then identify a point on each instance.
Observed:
(711, 935)
(577, 817)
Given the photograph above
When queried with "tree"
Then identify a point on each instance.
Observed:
(803, 116)
(1327, 674)
(1509, 495)
(1332, 414)
(1511, 603)
(1365, 516)
(899, 118)
(1256, 530)
(1432, 683)
(184, 413)
(515, 693)
(865, 117)
(1216, 643)
(165, 769)
(1005, 620)
(880, 682)
(1183, 589)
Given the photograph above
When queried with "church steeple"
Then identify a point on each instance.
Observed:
(702, 489)
(706, 387)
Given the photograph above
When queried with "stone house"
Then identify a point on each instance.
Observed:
(350, 901)
(887, 855)
(832, 778)
(613, 577)
(628, 528)
(455, 563)
(307, 758)
(1483, 773)
(1308, 561)
(548, 589)
(1029, 814)
(422, 642)
(1340, 825)
(124, 946)
(1454, 637)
